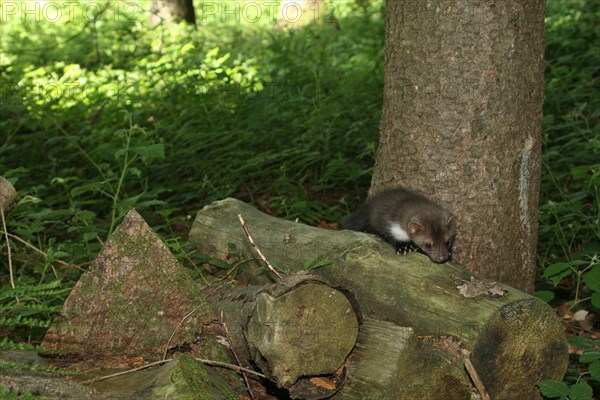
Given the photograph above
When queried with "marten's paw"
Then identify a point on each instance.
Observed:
(405, 248)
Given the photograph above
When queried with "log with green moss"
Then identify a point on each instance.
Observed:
(293, 331)
(515, 340)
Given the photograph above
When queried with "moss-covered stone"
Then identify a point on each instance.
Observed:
(203, 383)
(131, 302)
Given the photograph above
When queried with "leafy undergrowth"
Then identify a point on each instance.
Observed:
(569, 233)
(102, 114)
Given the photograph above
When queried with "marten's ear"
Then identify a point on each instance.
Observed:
(452, 222)
(415, 227)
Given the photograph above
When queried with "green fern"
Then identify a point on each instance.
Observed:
(28, 310)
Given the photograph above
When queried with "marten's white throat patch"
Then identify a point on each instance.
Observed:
(398, 233)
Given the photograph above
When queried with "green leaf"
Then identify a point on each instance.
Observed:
(544, 295)
(556, 272)
(152, 152)
(134, 171)
(308, 263)
(556, 269)
(86, 215)
(90, 236)
(595, 299)
(8, 395)
(322, 263)
(581, 391)
(548, 119)
(60, 254)
(594, 369)
(583, 171)
(93, 187)
(589, 356)
(554, 389)
(592, 279)
(583, 343)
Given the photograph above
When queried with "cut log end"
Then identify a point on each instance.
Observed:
(521, 345)
(308, 331)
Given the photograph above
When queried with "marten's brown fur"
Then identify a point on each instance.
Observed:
(403, 218)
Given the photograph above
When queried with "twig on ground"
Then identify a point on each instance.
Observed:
(101, 378)
(237, 359)
(175, 331)
(255, 246)
(26, 243)
(10, 269)
(475, 378)
(236, 265)
(203, 361)
(236, 368)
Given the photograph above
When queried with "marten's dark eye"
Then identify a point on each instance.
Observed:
(428, 245)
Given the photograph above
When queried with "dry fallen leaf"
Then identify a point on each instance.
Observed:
(449, 345)
(580, 315)
(476, 288)
(322, 382)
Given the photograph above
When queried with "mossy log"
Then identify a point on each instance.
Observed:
(379, 367)
(515, 340)
(294, 330)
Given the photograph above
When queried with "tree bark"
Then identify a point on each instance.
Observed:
(172, 11)
(461, 122)
(406, 290)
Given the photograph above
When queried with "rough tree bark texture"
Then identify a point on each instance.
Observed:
(515, 339)
(461, 122)
(172, 11)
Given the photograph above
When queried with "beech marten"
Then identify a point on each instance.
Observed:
(406, 219)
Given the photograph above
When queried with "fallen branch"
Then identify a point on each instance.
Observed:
(101, 378)
(476, 380)
(10, 270)
(237, 359)
(175, 331)
(255, 246)
(26, 243)
(236, 368)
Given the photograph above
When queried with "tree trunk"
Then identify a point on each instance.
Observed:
(461, 122)
(406, 290)
(168, 11)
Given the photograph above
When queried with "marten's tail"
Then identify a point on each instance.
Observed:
(358, 220)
